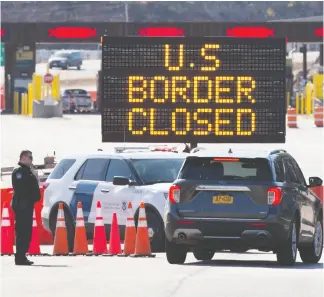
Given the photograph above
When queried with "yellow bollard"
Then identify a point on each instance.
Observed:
(318, 85)
(37, 85)
(30, 99)
(308, 98)
(25, 104)
(16, 103)
(22, 104)
(56, 87)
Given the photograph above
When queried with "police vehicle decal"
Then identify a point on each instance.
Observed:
(83, 193)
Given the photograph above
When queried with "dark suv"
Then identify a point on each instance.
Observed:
(65, 59)
(237, 201)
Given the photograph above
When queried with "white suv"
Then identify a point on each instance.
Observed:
(114, 179)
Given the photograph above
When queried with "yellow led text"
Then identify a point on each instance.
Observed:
(198, 89)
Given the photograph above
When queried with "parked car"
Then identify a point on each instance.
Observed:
(76, 100)
(114, 179)
(65, 59)
(241, 200)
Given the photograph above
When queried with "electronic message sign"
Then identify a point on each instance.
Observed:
(193, 89)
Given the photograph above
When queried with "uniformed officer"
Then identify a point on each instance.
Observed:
(26, 193)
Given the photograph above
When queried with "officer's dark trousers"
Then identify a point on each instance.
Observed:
(24, 225)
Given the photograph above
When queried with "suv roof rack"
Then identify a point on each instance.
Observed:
(277, 151)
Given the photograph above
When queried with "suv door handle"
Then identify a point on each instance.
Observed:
(72, 187)
(105, 190)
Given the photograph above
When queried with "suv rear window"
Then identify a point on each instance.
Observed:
(61, 168)
(228, 169)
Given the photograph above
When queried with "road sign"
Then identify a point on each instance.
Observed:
(48, 78)
(2, 54)
(193, 89)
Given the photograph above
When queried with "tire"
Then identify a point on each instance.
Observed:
(287, 251)
(69, 228)
(203, 254)
(156, 232)
(312, 254)
(79, 67)
(176, 254)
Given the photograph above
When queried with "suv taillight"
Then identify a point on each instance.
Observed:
(174, 194)
(274, 196)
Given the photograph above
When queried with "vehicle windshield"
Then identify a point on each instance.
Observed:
(61, 55)
(226, 169)
(153, 171)
(76, 91)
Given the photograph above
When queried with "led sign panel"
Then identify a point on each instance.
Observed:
(187, 89)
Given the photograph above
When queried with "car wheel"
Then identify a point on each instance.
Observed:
(203, 254)
(69, 228)
(176, 254)
(79, 67)
(155, 231)
(312, 254)
(287, 251)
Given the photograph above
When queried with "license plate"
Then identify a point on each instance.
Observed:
(223, 199)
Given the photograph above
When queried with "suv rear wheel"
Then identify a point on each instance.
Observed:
(203, 254)
(155, 231)
(176, 254)
(287, 251)
(313, 253)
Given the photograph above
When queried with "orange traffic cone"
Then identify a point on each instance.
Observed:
(99, 237)
(61, 246)
(130, 232)
(114, 240)
(142, 245)
(80, 238)
(34, 247)
(6, 232)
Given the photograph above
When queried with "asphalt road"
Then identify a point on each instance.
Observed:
(227, 275)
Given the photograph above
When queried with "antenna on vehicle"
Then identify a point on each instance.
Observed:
(230, 151)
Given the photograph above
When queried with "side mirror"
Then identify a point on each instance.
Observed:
(315, 181)
(121, 181)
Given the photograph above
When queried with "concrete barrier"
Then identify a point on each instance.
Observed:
(47, 108)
